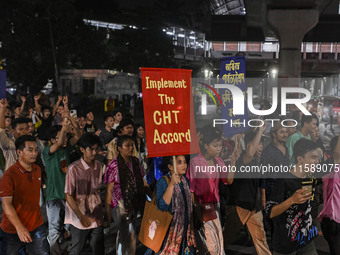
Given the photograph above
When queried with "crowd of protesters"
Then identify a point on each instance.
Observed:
(52, 154)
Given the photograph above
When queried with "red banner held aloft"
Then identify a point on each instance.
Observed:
(169, 120)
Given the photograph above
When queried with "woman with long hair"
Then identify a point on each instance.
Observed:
(173, 195)
(139, 138)
(125, 195)
(204, 185)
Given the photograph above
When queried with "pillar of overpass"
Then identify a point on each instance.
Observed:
(328, 81)
(291, 25)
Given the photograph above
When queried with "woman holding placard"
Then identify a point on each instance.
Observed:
(175, 197)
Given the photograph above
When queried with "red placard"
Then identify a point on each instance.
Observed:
(169, 119)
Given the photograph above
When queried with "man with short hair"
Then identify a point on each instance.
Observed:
(58, 110)
(83, 204)
(22, 223)
(90, 127)
(274, 155)
(289, 205)
(31, 127)
(308, 125)
(291, 128)
(7, 144)
(81, 123)
(245, 206)
(57, 158)
(44, 120)
(315, 137)
(106, 135)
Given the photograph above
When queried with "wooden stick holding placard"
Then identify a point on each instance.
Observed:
(174, 162)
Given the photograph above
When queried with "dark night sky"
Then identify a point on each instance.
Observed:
(173, 11)
(133, 3)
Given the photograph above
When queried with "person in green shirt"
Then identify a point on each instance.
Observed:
(56, 158)
(308, 125)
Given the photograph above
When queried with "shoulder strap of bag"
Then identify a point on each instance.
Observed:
(154, 195)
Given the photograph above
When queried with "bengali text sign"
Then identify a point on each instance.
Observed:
(232, 72)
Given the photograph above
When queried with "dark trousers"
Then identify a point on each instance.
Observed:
(331, 232)
(127, 236)
(10, 244)
(80, 236)
(309, 249)
(232, 226)
(330, 122)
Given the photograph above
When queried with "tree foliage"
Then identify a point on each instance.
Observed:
(26, 27)
(134, 48)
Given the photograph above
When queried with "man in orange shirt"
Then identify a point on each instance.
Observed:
(22, 223)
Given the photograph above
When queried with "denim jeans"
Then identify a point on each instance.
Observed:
(55, 210)
(10, 244)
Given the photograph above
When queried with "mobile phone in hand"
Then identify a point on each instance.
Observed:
(73, 113)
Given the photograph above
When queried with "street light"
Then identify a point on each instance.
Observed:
(206, 73)
(274, 71)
